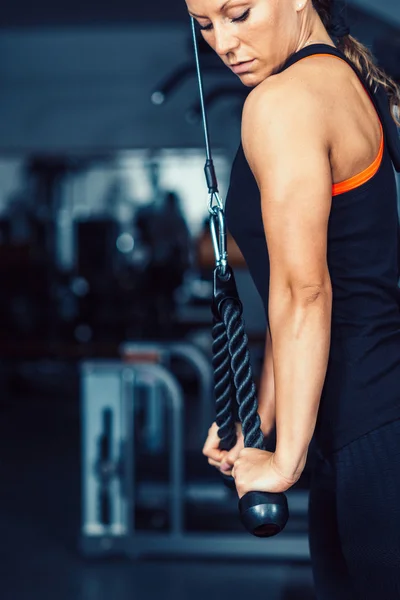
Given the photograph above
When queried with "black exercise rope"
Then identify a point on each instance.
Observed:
(233, 376)
(263, 513)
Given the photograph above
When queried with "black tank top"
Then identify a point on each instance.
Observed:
(362, 384)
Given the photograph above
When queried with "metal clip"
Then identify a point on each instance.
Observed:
(218, 236)
(215, 202)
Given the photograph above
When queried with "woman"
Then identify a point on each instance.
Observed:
(312, 205)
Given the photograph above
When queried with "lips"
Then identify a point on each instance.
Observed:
(241, 67)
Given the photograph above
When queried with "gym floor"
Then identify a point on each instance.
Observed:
(40, 518)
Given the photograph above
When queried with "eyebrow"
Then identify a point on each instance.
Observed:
(223, 7)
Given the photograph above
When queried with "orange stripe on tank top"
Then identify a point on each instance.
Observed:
(369, 172)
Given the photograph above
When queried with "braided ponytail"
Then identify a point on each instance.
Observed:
(332, 15)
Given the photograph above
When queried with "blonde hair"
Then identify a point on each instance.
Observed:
(363, 59)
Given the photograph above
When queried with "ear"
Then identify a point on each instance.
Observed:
(300, 5)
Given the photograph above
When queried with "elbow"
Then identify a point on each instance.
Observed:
(311, 294)
(301, 308)
(300, 294)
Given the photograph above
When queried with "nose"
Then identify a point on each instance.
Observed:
(224, 41)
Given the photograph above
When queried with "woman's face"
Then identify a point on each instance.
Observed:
(263, 32)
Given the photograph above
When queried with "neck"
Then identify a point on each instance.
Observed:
(319, 42)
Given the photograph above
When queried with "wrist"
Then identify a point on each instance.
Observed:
(289, 464)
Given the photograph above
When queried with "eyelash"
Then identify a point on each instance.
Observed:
(240, 19)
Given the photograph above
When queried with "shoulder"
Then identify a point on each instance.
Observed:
(287, 130)
(310, 80)
(298, 99)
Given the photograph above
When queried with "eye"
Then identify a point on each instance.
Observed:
(207, 28)
(243, 17)
(240, 19)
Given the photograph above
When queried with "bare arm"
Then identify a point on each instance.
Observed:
(289, 157)
(266, 392)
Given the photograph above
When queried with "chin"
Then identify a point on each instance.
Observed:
(250, 79)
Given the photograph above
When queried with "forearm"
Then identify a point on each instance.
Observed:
(266, 391)
(300, 329)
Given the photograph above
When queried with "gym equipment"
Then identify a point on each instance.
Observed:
(113, 495)
(163, 353)
(263, 514)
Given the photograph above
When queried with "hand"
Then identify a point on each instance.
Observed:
(256, 471)
(222, 459)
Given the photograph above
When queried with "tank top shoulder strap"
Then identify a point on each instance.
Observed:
(378, 96)
(312, 50)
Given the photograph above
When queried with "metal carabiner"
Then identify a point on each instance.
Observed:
(215, 202)
(218, 236)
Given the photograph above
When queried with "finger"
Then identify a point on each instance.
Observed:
(214, 463)
(225, 467)
(232, 456)
(234, 453)
(214, 453)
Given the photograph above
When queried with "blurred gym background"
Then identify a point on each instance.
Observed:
(105, 323)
